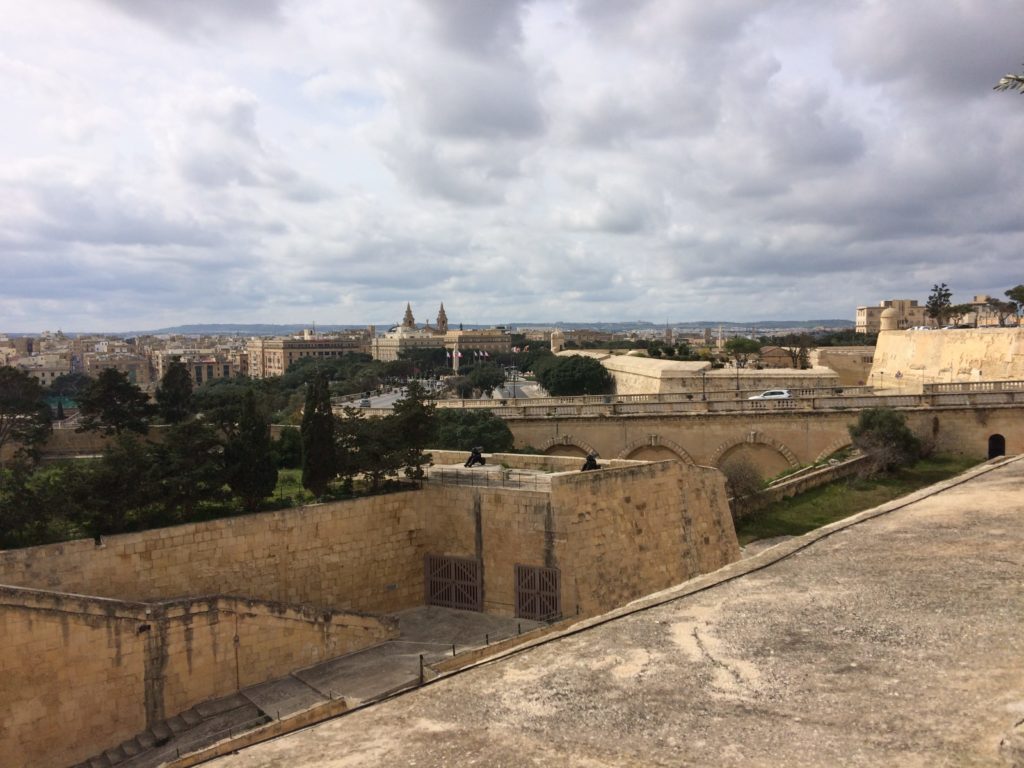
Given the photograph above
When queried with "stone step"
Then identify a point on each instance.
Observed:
(100, 761)
(161, 732)
(115, 755)
(191, 717)
(132, 747)
(177, 724)
(146, 739)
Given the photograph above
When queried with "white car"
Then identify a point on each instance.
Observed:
(773, 394)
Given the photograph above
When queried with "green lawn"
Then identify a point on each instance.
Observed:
(843, 498)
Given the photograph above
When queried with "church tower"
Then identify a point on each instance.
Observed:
(408, 321)
(442, 320)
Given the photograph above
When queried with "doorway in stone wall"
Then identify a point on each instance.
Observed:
(538, 593)
(453, 582)
(996, 446)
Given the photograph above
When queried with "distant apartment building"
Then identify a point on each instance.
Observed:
(271, 357)
(135, 367)
(46, 368)
(203, 364)
(909, 314)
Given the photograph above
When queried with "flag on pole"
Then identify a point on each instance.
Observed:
(448, 355)
(515, 349)
(526, 348)
(485, 353)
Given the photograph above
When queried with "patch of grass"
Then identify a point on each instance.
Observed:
(824, 505)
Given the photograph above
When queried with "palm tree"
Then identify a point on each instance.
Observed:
(1010, 83)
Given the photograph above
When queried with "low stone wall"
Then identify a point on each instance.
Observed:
(79, 674)
(786, 489)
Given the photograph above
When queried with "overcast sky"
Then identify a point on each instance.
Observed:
(297, 161)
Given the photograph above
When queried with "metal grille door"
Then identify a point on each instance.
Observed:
(538, 593)
(454, 582)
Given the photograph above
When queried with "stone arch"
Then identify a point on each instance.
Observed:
(996, 446)
(562, 445)
(836, 445)
(757, 438)
(656, 441)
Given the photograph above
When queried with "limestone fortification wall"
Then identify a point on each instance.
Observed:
(78, 674)
(614, 535)
(631, 531)
(643, 375)
(361, 555)
(939, 356)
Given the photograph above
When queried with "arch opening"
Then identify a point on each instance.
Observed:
(996, 446)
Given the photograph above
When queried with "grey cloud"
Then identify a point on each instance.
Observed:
(201, 18)
(946, 51)
(478, 27)
(99, 214)
(469, 100)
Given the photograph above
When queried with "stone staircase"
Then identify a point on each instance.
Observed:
(186, 732)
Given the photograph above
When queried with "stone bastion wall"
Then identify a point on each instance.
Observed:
(93, 652)
(904, 359)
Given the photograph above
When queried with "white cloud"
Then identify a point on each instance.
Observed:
(556, 159)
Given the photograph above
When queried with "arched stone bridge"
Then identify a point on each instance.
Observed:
(775, 440)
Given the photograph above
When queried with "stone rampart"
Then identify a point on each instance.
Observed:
(360, 555)
(78, 673)
(911, 358)
(614, 534)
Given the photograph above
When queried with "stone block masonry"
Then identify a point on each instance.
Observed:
(80, 673)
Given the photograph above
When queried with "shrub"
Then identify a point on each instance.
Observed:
(883, 435)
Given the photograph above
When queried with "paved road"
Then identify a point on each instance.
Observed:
(892, 642)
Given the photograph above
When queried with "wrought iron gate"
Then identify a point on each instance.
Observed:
(454, 582)
(538, 593)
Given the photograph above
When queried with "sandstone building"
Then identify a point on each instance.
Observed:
(908, 314)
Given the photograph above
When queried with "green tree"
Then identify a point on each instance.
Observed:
(740, 349)
(288, 449)
(319, 466)
(381, 454)
(461, 386)
(113, 405)
(460, 430)
(1003, 310)
(1016, 295)
(413, 429)
(220, 403)
(882, 434)
(115, 493)
(36, 504)
(70, 386)
(174, 395)
(957, 313)
(24, 414)
(189, 468)
(939, 302)
(574, 375)
(486, 376)
(248, 457)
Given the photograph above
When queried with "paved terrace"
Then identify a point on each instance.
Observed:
(893, 638)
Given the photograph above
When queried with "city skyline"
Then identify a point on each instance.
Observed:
(278, 162)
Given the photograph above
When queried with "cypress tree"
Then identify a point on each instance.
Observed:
(248, 456)
(318, 461)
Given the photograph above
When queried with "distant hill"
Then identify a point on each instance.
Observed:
(270, 329)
